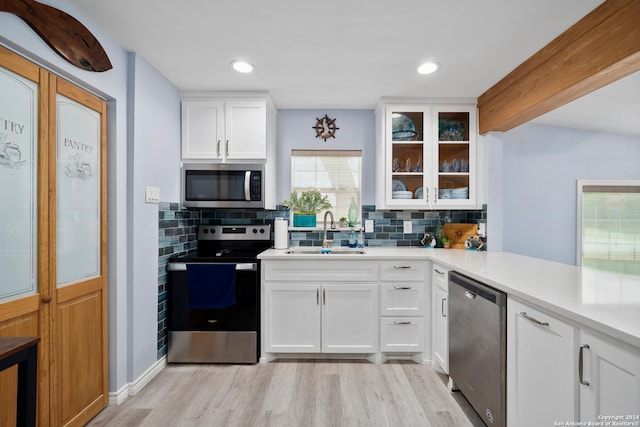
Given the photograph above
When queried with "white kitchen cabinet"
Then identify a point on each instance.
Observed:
(321, 318)
(292, 318)
(202, 129)
(349, 318)
(426, 156)
(439, 316)
(245, 130)
(402, 298)
(224, 129)
(609, 381)
(541, 367)
(402, 306)
(320, 306)
(401, 334)
(400, 271)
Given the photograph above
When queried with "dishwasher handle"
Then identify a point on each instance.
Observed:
(473, 289)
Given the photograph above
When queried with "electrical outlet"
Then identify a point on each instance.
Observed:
(368, 226)
(407, 226)
(152, 195)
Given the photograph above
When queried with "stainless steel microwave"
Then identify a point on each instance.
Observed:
(223, 185)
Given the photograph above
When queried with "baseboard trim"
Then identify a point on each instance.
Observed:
(117, 397)
(131, 389)
(147, 376)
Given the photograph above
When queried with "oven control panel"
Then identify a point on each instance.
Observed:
(234, 232)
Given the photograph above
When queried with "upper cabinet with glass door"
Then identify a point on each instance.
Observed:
(426, 156)
(454, 183)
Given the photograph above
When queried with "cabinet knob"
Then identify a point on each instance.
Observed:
(46, 299)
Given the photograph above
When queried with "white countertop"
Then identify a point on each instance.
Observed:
(605, 302)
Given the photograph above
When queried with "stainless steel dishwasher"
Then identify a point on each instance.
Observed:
(477, 346)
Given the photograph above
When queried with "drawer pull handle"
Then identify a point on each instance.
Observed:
(438, 271)
(534, 320)
(317, 296)
(324, 297)
(395, 322)
(402, 288)
(581, 365)
(212, 321)
(444, 301)
(401, 267)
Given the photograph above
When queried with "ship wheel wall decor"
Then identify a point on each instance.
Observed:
(325, 127)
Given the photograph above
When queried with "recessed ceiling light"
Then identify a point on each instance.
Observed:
(242, 66)
(428, 67)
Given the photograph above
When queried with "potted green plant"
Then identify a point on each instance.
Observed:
(343, 222)
(446, 243)
(305, 206)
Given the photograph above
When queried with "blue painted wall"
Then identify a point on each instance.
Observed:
(541, 166)
(357, 132)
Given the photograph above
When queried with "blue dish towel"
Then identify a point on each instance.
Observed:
(211, 285)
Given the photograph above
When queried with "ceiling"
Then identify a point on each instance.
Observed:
(337, 53)
(614, 108)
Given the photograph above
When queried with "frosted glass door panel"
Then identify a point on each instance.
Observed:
(78, 201)
(18, 192)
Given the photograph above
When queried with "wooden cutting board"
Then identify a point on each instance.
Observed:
(459, 233)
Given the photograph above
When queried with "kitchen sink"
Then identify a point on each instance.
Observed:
(326, 251)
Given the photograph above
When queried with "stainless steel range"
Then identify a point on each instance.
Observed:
(214, 296)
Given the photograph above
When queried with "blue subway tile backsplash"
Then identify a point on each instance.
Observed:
(177, 234)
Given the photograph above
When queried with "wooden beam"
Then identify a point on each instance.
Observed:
(601, 48)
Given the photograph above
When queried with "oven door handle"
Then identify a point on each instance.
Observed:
(243, 266)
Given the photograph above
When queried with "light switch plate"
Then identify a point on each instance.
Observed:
(407, 226)
(368, 226)
(152, 195)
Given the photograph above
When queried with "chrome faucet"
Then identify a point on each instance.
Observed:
(325, 241)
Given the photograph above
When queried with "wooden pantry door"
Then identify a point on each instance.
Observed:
(24, 245)
(78, 265)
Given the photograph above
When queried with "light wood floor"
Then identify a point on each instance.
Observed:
(294, 393)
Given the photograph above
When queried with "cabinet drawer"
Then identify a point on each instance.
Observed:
(403, 270)
(440, 276)
(321, 271)
(402, 299)
(402, 334)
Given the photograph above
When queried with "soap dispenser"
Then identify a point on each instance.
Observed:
(352, 239)
(361, 239)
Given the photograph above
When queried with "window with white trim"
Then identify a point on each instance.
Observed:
(609, 226)
(335, 173)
